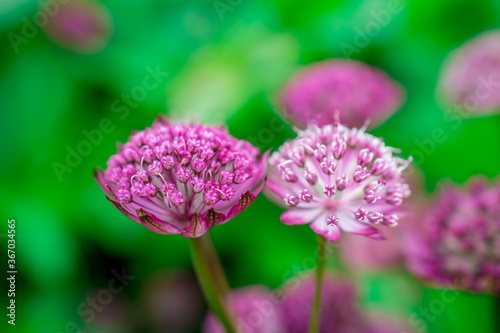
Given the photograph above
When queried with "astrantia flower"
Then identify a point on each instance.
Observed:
(459, 245)
(339, 309)
(80, 26)
(359, 91)
(338, 179)
(255, 309)
(183, 179)
(471, 74)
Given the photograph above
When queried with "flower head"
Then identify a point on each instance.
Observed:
(459, 244)
(338, 179)
(255, 309)
(339, 308)
(471, 74)
(183, 179)
(80, 26)
(359, 91)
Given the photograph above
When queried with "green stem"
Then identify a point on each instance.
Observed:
(208, 284)
(215, 265)
(314, 323)
(497, 298)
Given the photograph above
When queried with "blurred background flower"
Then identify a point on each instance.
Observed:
(471, 75)
(458, 244)
(80, 26)
(357, 91)
(340, 310)
(255, 309)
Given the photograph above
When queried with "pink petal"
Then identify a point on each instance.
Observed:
(245, 201)
(123, 210)
(276, 191)
(196, 228)
(300, 216)
(214, 218)
(349, 224)
(330, 232)
(154, 224)
(101, 180)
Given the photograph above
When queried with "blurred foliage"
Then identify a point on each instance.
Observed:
(224, 66)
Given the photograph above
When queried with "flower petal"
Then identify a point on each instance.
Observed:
(196, 228)
(349, 224)
(213, 218)
(300, 216)
(102, 182)
(245, 201)
(276, 191)
(154, 224)
(330, 232)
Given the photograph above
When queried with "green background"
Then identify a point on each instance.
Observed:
(227, 69)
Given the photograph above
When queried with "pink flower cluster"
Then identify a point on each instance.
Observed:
(471, 75)
(459, 245)
(338, 178)
(288, 310)
(255, 311)
(84, 27)
(358, 91)
(183, 179)
(339, 308)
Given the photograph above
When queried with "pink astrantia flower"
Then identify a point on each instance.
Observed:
(255, 309)
(183, 179)
(359, 91)
(471, 75)
(338, 179)
(80, 26)
(459, 246)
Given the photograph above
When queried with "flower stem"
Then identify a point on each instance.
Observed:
(314, 323)
(215, 265)
(208, 284)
